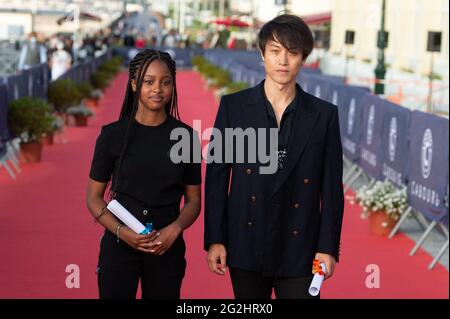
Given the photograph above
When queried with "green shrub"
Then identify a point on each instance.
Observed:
(29, 119)
(198, 60)
(100, 80)
(112, 66)
(208, 70)
(117, 60)
(221, 77)
(63, 94)
(85, 89)
(233, 87)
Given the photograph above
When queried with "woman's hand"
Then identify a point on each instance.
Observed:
(143, 243)
(166, 238)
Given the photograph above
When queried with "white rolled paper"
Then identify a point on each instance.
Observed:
(317, 281)
(125, 216)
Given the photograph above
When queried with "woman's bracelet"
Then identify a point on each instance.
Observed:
(117, 231)
(104, 210)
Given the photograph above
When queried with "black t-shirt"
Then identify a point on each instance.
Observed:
(147, 173)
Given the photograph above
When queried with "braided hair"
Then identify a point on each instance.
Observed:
(137, 69)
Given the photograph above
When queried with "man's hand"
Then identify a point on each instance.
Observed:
(329, 262)
(217, 259)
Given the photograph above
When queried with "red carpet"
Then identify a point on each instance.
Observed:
(45, 226)
(401, 276)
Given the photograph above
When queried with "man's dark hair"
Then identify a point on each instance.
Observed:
(290, 31)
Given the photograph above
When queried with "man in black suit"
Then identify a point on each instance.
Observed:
(268, 228)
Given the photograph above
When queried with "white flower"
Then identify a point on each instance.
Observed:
(382, 196)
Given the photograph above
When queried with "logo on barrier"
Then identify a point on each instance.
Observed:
(392, 138)
(370, 125)
(30, 85)
(16, 91)
(239, 75)
(317, 91)
(45, 79)
(351, 117)
(427, 153)
(335, 98)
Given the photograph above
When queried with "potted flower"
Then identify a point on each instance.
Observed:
(112, 66)
(100, 80)
(81, 114)
(96, 95)
(57, 126)
(382, 204)
(86, 89)
(63, 94)
(29, 119)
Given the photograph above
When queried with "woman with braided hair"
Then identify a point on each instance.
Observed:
(132, 157)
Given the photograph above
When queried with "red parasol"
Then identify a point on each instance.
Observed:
(231, 22)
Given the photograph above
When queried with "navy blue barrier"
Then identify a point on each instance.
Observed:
(337, 95)
(352, 122)
(181, 56)
(17, 87)
(371, 143)
(428, 169)
(75, 73)
(251, 59)
(256, 77)
(303, 80)
(40, 76)
(34, 82)
(28, 82)
(318, 86)
(2, 148)
(397, 121)
(83, 71)
(315, 83)
(86, 72)
(3, 117)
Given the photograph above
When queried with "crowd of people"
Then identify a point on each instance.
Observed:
(59, 51)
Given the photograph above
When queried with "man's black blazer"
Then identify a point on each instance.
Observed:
(276, 223)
